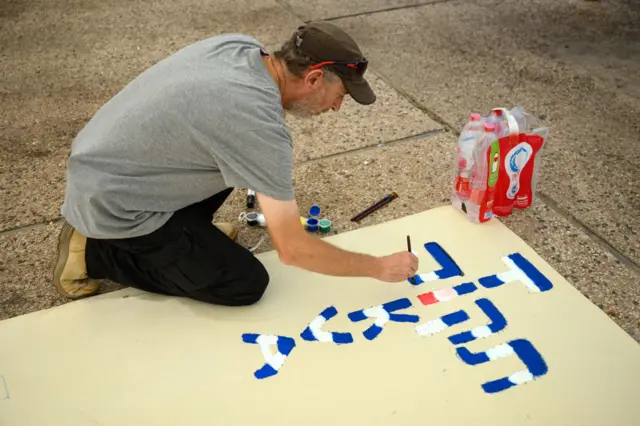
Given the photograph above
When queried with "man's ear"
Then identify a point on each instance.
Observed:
(314, 78)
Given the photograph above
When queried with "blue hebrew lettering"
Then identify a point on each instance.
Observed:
(533, 361)
(449, 268)
(465, 288)
(520, 269)
(273, 362)
(498, 323)
(382, 314)
(314, 333)
(442, 323)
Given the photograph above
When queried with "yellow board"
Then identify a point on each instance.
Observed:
(130, 358)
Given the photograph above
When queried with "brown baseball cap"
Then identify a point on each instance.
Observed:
(328, 45)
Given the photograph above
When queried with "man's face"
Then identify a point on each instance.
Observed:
(318, 95)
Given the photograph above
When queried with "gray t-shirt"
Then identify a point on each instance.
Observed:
(207, 118)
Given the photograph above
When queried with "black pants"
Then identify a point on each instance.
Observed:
(187, 257)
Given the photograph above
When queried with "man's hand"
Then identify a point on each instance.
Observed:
(397, 267)
(297, 248)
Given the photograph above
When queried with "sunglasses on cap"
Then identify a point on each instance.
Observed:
(359, 66)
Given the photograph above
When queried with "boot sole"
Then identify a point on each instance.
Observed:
(64, 239)
(233, 235)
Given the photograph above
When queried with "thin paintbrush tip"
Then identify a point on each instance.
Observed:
(411, 279)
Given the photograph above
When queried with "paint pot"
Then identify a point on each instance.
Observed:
(303, 221)
(314, 211)
(312, 224)
(255, 219)
(325, 226)
(252, 219)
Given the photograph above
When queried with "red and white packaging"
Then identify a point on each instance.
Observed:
(519, 163)
(496, 171)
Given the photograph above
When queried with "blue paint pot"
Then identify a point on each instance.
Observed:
(314, 211)
(312, 225)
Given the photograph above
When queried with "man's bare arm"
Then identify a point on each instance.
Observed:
(297, 248)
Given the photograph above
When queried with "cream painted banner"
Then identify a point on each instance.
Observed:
(487, 334)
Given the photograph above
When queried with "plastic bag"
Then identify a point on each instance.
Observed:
(496, 168)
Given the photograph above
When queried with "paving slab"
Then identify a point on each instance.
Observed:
(355, 126)
(327, 9)
(94, 49)
(574, 64)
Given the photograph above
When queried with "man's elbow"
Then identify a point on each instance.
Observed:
(287, 258)
(291, 246)
(289, 253)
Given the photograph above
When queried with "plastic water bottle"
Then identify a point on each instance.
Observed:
(484, 163)
(471, 134)
(480, 203)
(498, 119)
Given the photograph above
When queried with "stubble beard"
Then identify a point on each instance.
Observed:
(306, 108)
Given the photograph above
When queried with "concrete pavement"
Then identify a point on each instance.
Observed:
(573, 63)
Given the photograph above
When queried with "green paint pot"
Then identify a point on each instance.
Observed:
(325, 225)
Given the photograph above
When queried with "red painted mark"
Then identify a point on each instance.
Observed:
(428, 298)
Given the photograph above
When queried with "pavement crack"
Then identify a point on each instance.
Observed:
(383, 10)
(594, 235)
(373, 146)
(18, 229)
(416, 103)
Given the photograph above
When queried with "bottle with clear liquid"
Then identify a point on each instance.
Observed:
(498, 119)
(471, 135)
(484, 164)
(486, 158)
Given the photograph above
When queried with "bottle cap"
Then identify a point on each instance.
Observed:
(314, 211)
(489, 127)
(475, 117)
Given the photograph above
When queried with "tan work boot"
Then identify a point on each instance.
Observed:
(229, 229)
(70, 272)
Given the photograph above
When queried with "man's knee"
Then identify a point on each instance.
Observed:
(246, 288)
(253, 287)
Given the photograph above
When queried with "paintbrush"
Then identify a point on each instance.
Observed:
(412, 280)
